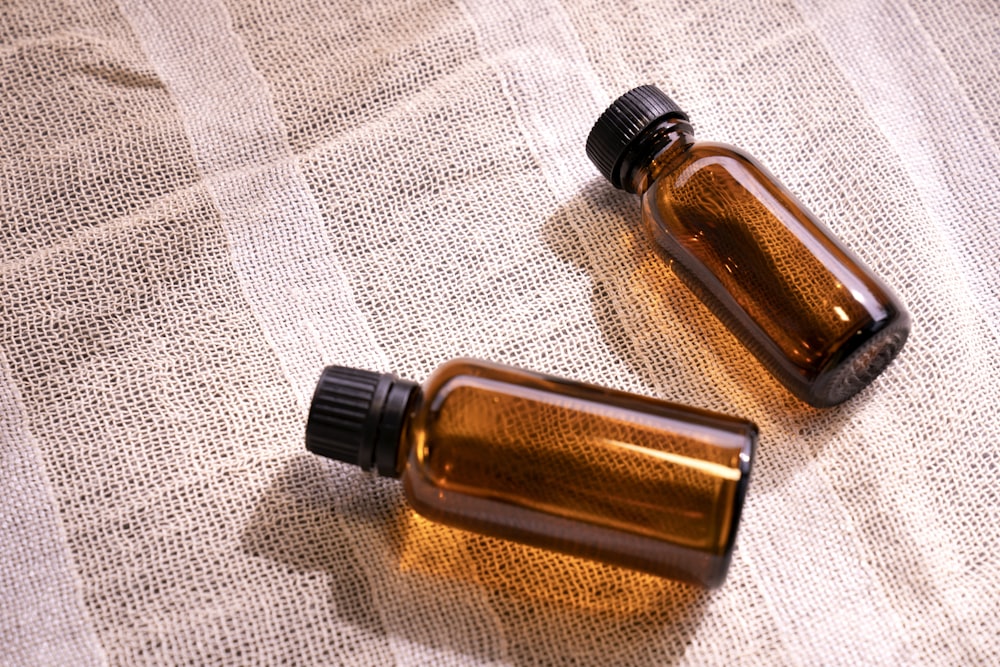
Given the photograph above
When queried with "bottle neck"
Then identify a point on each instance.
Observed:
(407, 437)
(658, 150)
(391, 444)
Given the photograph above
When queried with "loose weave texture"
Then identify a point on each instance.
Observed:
(205, 202)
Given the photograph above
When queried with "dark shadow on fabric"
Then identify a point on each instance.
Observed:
(540, 598)
(294, 523)
(543, 599)
(305, 519)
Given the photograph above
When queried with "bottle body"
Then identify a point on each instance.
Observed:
(570, 467)
(810, 311)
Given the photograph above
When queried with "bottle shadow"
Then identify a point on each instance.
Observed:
(541, 606)
(672, 342)
(556, 609)
(293, 524)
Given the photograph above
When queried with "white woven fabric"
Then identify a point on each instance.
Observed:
(206, 201)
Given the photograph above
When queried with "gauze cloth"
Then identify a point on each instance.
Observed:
(204, 202)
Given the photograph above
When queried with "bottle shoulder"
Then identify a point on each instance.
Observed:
(680, 161)
(710, 154)
(458, 371)
(455, 384)
(704, 148)
(717, 172)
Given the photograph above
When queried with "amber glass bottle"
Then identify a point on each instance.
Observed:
(572, 467)
(818, 320)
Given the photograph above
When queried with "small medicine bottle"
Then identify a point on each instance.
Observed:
(807, 308)
(571, 467)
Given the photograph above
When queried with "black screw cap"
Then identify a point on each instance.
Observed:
(357, 417)
(624, 122)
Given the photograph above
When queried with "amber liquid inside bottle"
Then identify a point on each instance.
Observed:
(822, 323)
(579, 469)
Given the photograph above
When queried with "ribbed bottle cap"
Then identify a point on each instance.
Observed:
(357, 417)
(622, 123)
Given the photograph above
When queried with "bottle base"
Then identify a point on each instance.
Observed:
(859, 368)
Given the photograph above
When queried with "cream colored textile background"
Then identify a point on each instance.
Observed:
(204, 201)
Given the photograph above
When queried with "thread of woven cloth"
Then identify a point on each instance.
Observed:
(204, 203)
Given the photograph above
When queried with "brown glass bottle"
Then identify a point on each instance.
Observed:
(575, 468)
(810, 311)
